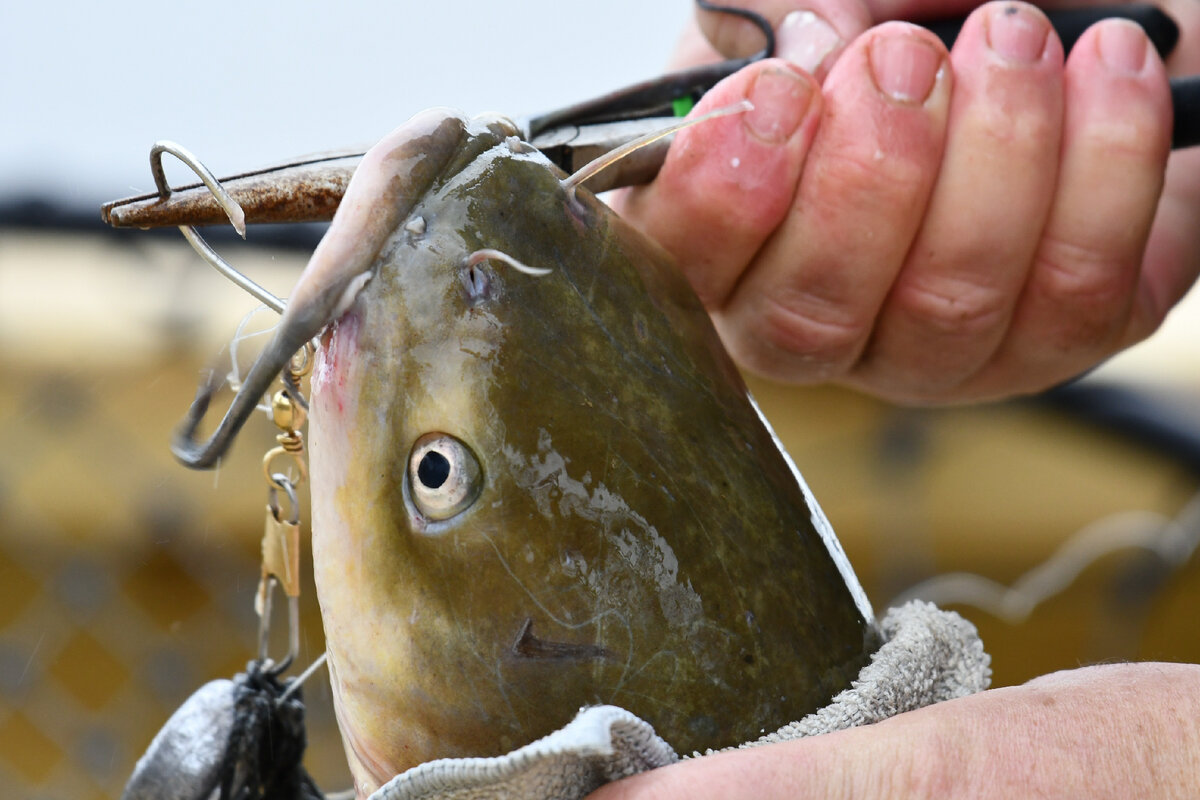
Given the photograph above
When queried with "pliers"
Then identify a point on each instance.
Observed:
(309, 189)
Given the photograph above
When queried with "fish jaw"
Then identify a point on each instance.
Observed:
(366, 623)
(332, 408)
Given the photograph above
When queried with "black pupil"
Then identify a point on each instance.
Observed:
(433, 470)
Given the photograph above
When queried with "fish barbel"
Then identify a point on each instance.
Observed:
(533, 493)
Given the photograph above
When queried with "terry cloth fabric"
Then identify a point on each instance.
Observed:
(928, 656)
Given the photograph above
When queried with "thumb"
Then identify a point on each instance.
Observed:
(809, 33)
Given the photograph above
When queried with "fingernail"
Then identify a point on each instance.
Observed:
(805, 39)
(905, 67)
(1017, 33)
(781, 99)
(1122, 46)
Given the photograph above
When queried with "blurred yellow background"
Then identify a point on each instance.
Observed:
(126, 581)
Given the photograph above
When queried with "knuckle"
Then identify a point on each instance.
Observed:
(1132, 127)
(732, 212)
(813, 331)
(953, 307)
(715, 201)
(1091, 287)
(1082, 277)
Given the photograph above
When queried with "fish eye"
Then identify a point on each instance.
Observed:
(444, 477)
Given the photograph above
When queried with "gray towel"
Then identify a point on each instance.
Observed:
(928, 656)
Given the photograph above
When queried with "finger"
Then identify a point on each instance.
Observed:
(933, 10)
(1185, 58)
(1172, 260)
(953, 300)
(806, 306)
(1078, 300)
(809, 33)
(727, 183)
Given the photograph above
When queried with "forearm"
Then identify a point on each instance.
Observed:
(1120, 731)
(1126, 730)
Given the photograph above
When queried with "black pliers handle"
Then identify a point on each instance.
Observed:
(675, 93)
(309, 189)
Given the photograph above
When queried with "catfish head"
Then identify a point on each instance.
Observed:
(533, 493)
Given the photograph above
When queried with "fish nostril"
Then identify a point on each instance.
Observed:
(476, 282)
(433, 470)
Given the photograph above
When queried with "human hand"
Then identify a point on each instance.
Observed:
(932, 227)
(1120, 731)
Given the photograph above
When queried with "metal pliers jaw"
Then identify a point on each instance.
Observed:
(310, 189)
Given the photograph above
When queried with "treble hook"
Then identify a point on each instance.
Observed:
(231, 208)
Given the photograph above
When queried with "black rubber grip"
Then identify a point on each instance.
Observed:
(1070, 24)
(1163, 32)
(1185, 95)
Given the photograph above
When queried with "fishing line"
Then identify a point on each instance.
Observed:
(592, 168)
(309, 671)
(234, 378)
(594, 620)
(1172, 540)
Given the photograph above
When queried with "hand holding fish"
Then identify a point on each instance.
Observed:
(932, 226)
(1061, 735)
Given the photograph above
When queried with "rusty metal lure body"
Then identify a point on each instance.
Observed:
(309, 189)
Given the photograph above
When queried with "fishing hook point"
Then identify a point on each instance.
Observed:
(232, 209)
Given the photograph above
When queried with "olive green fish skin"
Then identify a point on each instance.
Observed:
(637, 522)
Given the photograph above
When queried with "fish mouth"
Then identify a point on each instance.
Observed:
(369, 768)
(527, 645)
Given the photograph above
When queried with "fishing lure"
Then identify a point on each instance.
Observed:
(244, 739)
(240, 739)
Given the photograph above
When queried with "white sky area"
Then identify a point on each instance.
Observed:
(87, 87)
